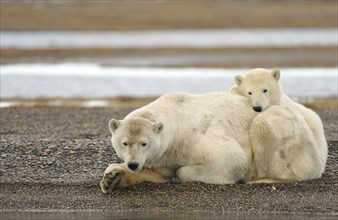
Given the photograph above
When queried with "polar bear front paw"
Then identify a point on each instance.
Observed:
(112, 179)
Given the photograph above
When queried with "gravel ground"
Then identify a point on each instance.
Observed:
(53, 159)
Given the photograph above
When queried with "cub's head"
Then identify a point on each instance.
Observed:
(135, 140)
(261, 86)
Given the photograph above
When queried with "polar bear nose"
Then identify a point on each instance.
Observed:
(257, 108)
(133, 165)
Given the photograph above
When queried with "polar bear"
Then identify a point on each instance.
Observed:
(189, 137)
(263, 89)
(283, 147)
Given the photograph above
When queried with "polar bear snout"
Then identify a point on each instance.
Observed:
(133, 166)
(257, 108)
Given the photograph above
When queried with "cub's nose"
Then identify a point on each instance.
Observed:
(133, 165)
(257, 108)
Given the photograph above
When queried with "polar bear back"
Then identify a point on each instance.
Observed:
(185, 114)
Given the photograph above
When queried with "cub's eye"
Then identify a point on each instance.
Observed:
(249, 93)
(265, 90)
(125, 143)
(144, 144)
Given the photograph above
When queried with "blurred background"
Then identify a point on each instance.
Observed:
(127, 53)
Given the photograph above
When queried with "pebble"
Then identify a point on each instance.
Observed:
(65, 157)
(50, 162)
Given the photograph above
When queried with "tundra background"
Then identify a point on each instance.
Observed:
(161, 15)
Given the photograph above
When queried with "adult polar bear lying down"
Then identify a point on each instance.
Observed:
(196, 138)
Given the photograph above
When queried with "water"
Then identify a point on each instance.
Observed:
(95, 81)
(193, 38)
(197, 215)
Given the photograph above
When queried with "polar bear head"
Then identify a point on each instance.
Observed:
(136, 140)
(261, 86)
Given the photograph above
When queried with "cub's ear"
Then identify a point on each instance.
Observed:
(113, 125)
(239, 79)
(235, 90)
(276, 74)
(158, 127)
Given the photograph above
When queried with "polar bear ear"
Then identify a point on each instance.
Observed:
(158, 127)
(113, 125)
(239, 79)
(276, 74)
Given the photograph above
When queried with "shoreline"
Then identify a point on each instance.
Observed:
(179, 57)
(196, 214)
(330, 102)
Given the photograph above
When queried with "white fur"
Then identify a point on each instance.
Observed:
(290, 130)
(213, 138)
(204, 137)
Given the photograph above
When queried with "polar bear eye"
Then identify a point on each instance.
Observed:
(265, 90)
(125, 143)
(249, 93)
(144, 144)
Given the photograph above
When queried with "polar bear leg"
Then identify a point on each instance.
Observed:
(221, 162)
(200, 173)
(119, 176)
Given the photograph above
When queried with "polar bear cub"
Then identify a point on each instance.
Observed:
(263, 88)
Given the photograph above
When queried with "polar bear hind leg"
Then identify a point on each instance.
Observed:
(224, 162)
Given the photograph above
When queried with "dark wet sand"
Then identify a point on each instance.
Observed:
(181, 57)
(53, 159)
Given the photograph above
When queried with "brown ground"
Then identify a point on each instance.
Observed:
(118, 15)
(218, 57)
(53, 159)
(134, 102)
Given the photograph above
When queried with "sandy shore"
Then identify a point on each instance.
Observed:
(177, 57)
(53, 159)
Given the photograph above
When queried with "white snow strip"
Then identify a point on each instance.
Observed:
(94, 81)
(196, 38)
